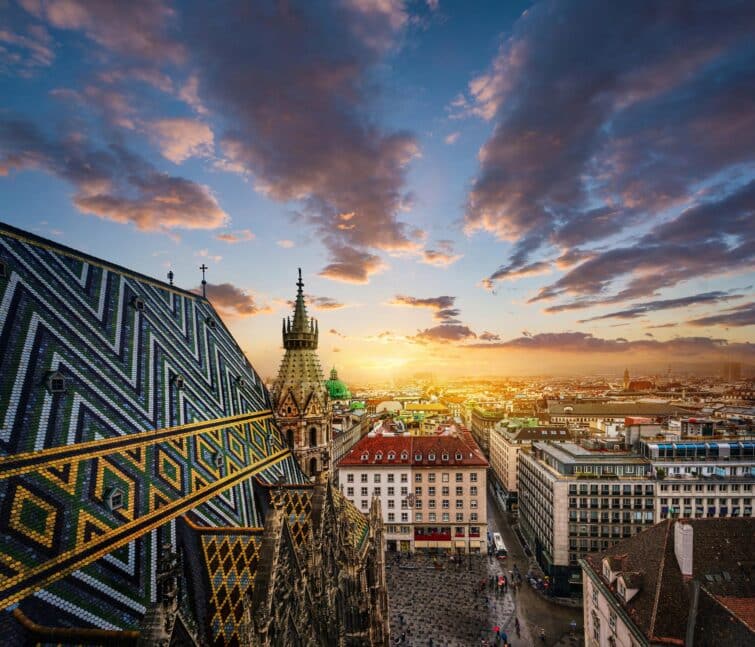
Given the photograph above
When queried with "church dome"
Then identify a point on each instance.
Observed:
(337, 389)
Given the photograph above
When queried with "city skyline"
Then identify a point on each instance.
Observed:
(546, 187)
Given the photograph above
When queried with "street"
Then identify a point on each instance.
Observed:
(534, 611)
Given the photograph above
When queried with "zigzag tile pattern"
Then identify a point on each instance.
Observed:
(131, 355)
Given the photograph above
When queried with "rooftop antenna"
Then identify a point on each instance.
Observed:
(170, 277)
(204, 268)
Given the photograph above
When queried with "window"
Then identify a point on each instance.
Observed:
(376, 492)
(473, 504)
(431, 503)
(391, 456)
(404, 478)
(404, 456)
(116, 499)
(364, 503)
(363, 491)
(431, 491)
(178, 381)
(460, 517)
(349, 478)
(313, 436)
(379, 456)
(612, 620)
(404, 516)
(459, 491)
(431, 517)
(391, 503)
(445, 477)
(404, 504)
(444, 490)
(210, 322)
(349, 491)
(138, 304)
(445, 504)
(473, 516)
(430, 456)
(459, 504)
(459, 477)
(418, 490)
(363, 478)
(418, 504)
(445, 517)
(391, 516)
(444, 456)
(473, 490)
(391, 491)
(417, 478)
(404, 491)
(458, 456)
(418, 457)
(431, 477)
(418, 516)
(390, 478)
(473, 477)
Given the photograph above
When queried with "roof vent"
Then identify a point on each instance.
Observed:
(138, 304)
(210, 322)
(178, 381)
(115, 499)
(241, 381)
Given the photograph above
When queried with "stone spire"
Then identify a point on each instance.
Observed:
(302, 331)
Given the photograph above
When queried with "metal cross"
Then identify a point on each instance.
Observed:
(204, 268)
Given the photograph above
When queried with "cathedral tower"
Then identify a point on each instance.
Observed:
(299, 393)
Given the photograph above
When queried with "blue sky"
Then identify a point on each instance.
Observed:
(488, 187)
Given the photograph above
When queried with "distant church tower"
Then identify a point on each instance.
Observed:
(300, 398)
(626, 379)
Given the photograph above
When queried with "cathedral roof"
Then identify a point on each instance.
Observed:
(336, 388)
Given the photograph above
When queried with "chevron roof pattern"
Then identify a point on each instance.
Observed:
(124, 404)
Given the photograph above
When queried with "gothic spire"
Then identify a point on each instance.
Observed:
(301, 331)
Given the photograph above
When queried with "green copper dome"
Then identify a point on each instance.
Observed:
(337, 389)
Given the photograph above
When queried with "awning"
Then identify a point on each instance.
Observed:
(443, 544)
(473, 543)
(460, 544)
(420, 544)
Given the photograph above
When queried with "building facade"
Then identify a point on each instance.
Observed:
(482, 421)
(507, 438)
(300, 396)
(432, 489)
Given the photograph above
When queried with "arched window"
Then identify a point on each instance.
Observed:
(312, 466)
(290, 437)
(313, 436)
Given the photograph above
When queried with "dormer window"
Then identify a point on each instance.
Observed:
(404, 456)
(444, 456)
(379, 456)
(418, 457)
(459, 456)
(431, 457)
(365, 456)
(115, 499)
(217, 459)
(138, 304)
(56, 382)
(621, 588)
(210, 322)
(3, 269)
(391, 456)
(178, 381)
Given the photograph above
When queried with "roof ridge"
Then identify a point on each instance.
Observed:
(660, 580)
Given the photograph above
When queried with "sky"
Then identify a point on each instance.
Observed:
(470, 188)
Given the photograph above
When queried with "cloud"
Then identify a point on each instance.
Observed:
(179, 139)
(743, 315)
(710, 238)
(442, 307)
(445, 333)
(443, 256)
(333, 331)
(137, 28)
(452, 138)
(285, 244)
(233, 237)
(322, 303)
(26, 49)
(489, 336)
(513, 272)
(336, 350)
(351, 265)
(189, 93)
(589, 138)
(579, 342)
(112, 183)
(205, 253)
(300, 122)
(231, 301)
(666, 325)
(640, 309)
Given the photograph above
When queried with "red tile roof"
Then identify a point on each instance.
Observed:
(459, 447)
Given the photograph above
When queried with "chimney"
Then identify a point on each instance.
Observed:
(683, 546)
